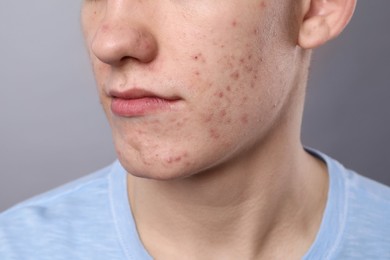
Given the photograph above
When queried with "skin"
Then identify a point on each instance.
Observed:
(225, 108)
(228, 154)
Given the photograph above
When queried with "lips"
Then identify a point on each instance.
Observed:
(138, 102)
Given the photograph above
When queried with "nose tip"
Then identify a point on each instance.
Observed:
(113, 44)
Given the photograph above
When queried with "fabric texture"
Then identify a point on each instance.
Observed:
(90, 218)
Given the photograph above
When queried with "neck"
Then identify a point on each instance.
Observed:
(249, 208)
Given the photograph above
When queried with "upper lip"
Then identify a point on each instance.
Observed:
(137, 93)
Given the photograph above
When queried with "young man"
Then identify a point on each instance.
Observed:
(205, 101)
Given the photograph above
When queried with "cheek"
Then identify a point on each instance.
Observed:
(235, 83)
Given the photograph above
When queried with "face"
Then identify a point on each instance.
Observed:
(189, 85)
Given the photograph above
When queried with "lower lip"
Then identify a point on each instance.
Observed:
(140, 106)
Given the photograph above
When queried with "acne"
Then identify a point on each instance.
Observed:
(198, 57)
(214, 134)
(176, 159)
(244, 119)
(222, 113)
(235, 75)
(208, 118)
(234, 23)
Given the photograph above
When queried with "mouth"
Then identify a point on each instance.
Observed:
(139, 102)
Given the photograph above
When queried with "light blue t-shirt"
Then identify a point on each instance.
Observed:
(90, 218)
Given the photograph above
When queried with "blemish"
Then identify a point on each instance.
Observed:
(263, 4)
(171, 160)
(223, 113)
(244, 100)
(214, 134)
(228, 88)
(198, 57)
(252, 84)
(234, 23)
(244, 119)
(235, 75)
(249, 68)
(208, 118)
(197, 73)
(220, 94)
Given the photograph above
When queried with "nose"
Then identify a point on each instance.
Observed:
(118, 39)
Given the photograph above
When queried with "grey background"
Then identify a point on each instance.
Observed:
(52, 129)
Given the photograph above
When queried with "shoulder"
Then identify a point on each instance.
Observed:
(364, 234)
(368, 215)
(54, 217)
(60, 194)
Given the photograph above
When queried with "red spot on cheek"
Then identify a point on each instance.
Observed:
(228, 88)
(234, 23)
(197, 73)
(208, 118)
(220, 94)
(235, 75)
(214, 134)
(223, 113)
(263, 4)
(105, 28)
(244, 119)
(198, 57)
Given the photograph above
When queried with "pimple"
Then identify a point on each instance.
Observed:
(171, 160)
(244, 119)
(208, 118)
(140, 132)
(223, 113)
(235, 75)
(263, 4)
(105, 28)
(214, 134)
(198, 57)
(220, 94)
(228, 88)
(244, 100)
(249, 68)
(197, 73)
(234, 23)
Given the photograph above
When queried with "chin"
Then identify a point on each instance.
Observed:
(157, 170)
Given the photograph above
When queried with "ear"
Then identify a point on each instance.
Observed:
(323, 20)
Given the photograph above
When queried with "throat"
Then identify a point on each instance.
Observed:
(237, 213)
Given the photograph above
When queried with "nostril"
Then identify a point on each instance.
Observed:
(114, 45)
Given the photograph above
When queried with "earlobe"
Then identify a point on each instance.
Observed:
(323, 20)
